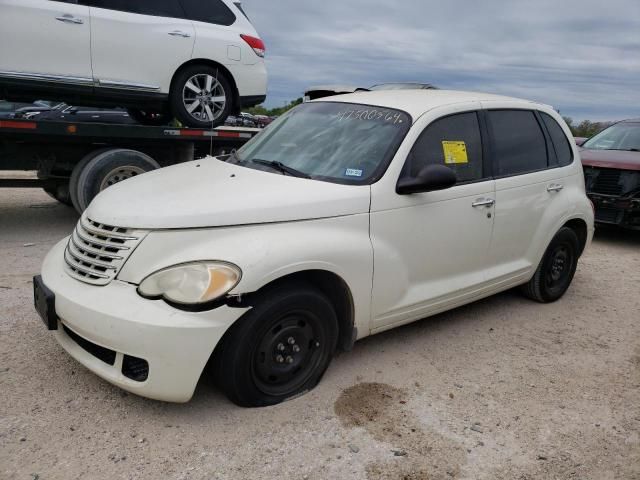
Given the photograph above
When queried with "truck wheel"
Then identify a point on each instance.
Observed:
(60, 192)
(556, 269)
(279, 349)
(144, 117)
(103, 168)
(201, 97)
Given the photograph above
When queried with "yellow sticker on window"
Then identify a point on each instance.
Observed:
(454, 152)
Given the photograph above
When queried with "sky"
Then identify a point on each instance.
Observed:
(582, 57)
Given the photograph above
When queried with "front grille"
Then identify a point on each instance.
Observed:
(106, 355)
(605, 181)
(96, 252)
(608, 214)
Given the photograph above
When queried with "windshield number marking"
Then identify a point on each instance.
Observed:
(371, 114)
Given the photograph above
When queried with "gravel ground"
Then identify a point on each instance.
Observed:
(500, 389)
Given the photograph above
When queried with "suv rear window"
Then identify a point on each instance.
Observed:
(518, 142)
(564, 154)
(209, 11)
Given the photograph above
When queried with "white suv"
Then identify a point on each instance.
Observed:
(197, 60)
(345, 217)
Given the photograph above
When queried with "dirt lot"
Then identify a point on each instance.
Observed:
(500, 389)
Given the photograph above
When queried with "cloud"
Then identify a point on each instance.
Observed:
(582, 57)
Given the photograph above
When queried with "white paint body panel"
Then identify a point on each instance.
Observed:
(32, 41)
(115, 49)
(137, 49)
(403, 257)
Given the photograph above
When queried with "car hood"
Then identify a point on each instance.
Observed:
(212, 193)
(610, 159)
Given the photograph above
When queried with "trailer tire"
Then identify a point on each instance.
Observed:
(103, 168)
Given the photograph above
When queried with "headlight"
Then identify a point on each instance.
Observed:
(191, 283)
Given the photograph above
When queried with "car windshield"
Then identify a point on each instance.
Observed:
(334, 142)
(621, 136)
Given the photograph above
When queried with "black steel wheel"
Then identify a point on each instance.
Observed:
(556, 269)
(279, 349)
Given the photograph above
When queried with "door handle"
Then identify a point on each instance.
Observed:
(483, 202)
(555, 187)
(66, 18)
(178, 33)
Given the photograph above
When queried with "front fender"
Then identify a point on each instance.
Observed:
(266, 252)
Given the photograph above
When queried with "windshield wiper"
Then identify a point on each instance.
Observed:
(281, 167)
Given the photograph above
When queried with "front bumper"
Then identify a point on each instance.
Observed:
(615, 210)
(176, 344)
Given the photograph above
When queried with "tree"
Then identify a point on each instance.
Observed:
(274, 112)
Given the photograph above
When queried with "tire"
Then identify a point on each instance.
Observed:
(181, 96)
(291, 323)
(60, 192)
(144, 117)
(103, 168)
(556, 269)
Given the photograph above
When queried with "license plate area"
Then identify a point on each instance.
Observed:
(44, 301)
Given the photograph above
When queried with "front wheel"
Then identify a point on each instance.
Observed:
(279, 349)
(556, 269)
(201, 97)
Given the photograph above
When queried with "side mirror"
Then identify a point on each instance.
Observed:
(430, 178)
(580, 140)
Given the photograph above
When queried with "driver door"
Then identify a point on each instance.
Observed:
(431, 248)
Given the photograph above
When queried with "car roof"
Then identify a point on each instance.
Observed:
(417, 102)
(630, 120)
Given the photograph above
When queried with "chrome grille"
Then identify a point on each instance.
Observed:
(96, 252)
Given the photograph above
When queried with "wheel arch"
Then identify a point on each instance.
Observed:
(579, 226)
(214, 64)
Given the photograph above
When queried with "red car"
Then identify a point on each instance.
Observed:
(611, 161)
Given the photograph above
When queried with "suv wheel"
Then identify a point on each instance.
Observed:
(280, 348)
(201, 97)
(556, 269)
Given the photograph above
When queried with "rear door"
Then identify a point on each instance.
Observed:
(138, 44)
(45, 40)
(529, 192)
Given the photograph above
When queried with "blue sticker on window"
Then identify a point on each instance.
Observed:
(352, 172)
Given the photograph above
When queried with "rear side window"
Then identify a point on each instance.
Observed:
(156, 8)
(453, 141)
(209, 11)
(564, 154)
(518, 142)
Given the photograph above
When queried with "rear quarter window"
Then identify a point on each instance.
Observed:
(208, 11)
(561, 145)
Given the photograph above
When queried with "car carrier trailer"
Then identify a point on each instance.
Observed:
(75, 161)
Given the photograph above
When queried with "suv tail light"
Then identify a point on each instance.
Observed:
(255, 43)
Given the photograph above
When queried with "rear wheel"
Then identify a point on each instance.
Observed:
(145, 117)
(201, 97)
(278, 349)
(556, 269)
(101, 169)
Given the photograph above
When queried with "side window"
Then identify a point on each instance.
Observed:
(453, 141)
(209, 11)
(518, 142)
(559, 139)
(156, 8)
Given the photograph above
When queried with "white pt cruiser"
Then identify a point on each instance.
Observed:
(346, 217)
